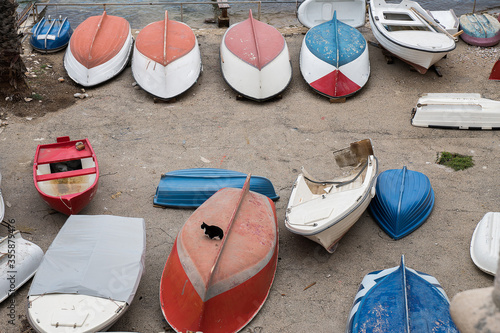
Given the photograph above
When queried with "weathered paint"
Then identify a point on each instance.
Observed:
(480, 29)
(99, 39)
(165, 41)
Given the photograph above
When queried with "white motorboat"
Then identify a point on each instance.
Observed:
(456, 111)
(485, 243)
(314, 12)
(409, 33)
(324, 210)
(89, 275)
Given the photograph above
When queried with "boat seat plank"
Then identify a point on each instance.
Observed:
(48, 155)
(66, 174)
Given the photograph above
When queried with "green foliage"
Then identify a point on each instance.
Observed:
(36, 96)
(455, 161)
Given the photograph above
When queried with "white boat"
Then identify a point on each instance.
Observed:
(485, 243)
(19, 260)
(447, 18)
(89, 275)
(324, 210)
(409, 33)
(166, 60)
(314, 12)
(457, 111)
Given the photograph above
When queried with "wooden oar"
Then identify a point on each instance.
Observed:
(433, 24)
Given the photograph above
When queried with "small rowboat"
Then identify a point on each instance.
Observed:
(66, 174)
(99, 49)
(408, 32)
(480, 29)
(218, 285)
(189, 188)
(404, 200)
(447, 19)
(485, 243)
(313, 12)
(51, 35)
(89, 275)
(334, 59)
(400, 299)
(254, 59)
(166, 60)
(456, 111)
(324, 210)
(16, 268)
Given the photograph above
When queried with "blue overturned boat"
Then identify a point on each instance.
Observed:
(51, 35)
(189, 188)
(400, 299)
(404, 200)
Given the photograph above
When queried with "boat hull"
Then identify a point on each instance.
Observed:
(212, 285)
(51, 35)
(70, 189)
(404, 200)
(166, 64)
(99, 49)
(400, 299)
(419, 48)
(314, 12)
(334, 59)
(189, 188)
(480, 29)
(255, 60)
(485, 243)
(324, 211)
(456, 111)
(447, 18)
(26, 259)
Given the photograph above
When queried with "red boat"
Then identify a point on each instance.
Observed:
(211, 285)
(66, 174)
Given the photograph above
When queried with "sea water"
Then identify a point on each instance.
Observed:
(278, 13)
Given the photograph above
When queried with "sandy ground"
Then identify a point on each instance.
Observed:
(136, 140)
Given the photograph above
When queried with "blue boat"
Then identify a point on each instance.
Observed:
(400, 299)
(189, 188)
(404, 200)
(51, 35)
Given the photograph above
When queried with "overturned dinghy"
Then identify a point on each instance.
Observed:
(219, 283)
(456, 111)
(254, 60)
(166, 60)
(324, 211)
(485, 243)
(94, 263)
(334, 59)
(51, 35)
(480, 29)
(189, 188)
(404, 200)
(314, 12)
(99, 49)
(400, 299)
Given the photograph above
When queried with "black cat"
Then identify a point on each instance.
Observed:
(212, 231)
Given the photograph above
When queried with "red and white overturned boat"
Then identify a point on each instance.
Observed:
(99, 49)
(255, 60)
(166, 60)
(334, 59)
(210, 285)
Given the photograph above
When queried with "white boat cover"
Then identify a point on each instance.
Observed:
(94, 255)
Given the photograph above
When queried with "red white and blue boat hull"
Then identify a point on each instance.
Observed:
(166, 60)
(334, 59)
(255, 60)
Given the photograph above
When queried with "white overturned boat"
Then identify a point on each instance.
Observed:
(447, 18)
(485, 243)
(408, 32)
(89, 274)
(456, 111)
(324, 210)
(166, 60)
(254, 59)
(17, 267)
(314, 12)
